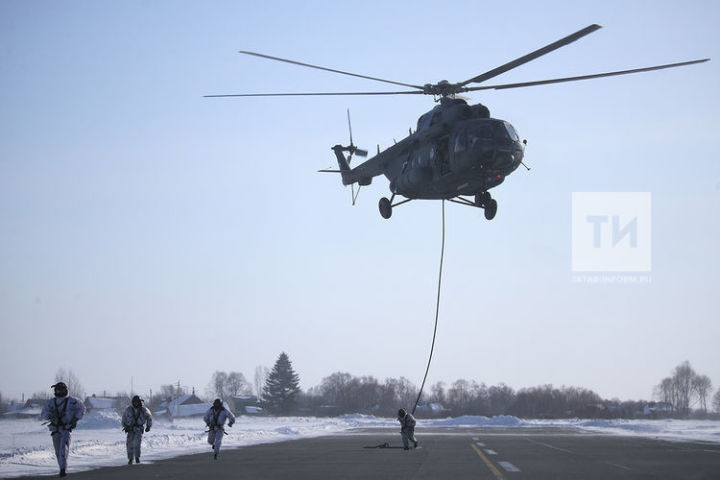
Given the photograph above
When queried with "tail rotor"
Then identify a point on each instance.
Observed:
(352, 148)
(344, 163)
(353, 151)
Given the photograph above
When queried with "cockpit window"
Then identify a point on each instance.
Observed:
(466, 139)
(477, 133)
(511, 131)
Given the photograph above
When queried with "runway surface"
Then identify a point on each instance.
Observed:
(444, 453)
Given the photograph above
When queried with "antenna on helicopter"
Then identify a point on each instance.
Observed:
(521, 162)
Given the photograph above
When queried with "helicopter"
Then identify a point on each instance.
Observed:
(457, 150)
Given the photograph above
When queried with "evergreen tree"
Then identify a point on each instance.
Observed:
(281, 387)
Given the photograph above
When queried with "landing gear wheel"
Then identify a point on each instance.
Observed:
(491, 209)
(385, 207)
(482, 199)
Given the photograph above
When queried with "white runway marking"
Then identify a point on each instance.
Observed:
(548, 446)
(475, 439)
(479, 444)
(490, 452)
(509, 467)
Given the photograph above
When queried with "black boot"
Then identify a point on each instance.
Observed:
(137, 459)
(129, 461)
(215, 456)
(62, 472)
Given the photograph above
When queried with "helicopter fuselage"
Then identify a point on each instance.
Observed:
(457, 150)
(471, 157)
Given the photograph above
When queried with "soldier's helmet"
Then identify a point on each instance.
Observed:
(136, 401)
(402, 413)
(61, 389)
(217, 404)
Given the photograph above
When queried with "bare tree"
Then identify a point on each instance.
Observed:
(261, 375)
(437, 393)
(500, 398)
(459, 395)
(218, 385)
(168, 391)
(337, 390)
(72, 381)
(665, 392)
(716, 401)
(683, 379)
(702, 386)
(368, 393)
(237, 385)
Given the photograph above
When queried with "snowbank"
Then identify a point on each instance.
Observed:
(100, 419)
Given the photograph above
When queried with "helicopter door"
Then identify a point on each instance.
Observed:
(442, 156)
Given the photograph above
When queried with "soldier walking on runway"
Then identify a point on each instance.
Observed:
(63, 413)
(136, 419)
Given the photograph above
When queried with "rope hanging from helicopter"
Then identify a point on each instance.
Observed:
(437, 309)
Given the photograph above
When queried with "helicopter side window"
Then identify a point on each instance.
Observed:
(484, 131)
(461, 141)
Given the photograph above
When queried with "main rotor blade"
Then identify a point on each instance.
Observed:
(532, 56)
(408, 92)
(349, 125)
(329, 69)
(582, 77)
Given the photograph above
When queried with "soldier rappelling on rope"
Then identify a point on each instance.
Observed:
(407, 428)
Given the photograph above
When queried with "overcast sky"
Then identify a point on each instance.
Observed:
(148, 232)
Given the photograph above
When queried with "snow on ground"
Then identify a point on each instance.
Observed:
(26, 447)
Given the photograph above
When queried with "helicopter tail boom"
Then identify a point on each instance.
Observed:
(345, 170)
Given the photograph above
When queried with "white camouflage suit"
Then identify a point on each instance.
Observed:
(133, 422)
(215, 420)
(63, 413)
(407, 429)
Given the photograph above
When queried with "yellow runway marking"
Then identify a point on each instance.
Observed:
(489, 464)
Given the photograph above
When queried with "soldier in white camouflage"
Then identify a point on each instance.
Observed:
(407, 429)
(135, 420)
(62, 413)
(215, 419)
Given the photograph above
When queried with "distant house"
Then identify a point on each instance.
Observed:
(30, 409)
(108, 404)
(431, 409)
(658, 410)
(178, 406)
(246, 405)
